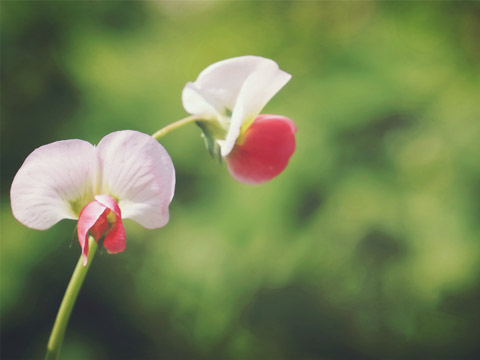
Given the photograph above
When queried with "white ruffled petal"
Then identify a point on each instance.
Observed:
(54, 183)
(137, 171)
(197, 101)
(219, 85)
(256, 92)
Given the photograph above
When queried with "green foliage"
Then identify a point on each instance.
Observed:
(365, 247)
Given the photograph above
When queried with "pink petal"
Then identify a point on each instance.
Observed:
(138, 171)
(263, 151)
(52, 180)
(115, 240)
(89, 216)
(93, 219)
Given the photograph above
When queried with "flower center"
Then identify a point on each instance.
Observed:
(101, 218)
(103, 225)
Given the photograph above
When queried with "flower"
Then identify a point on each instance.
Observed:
(229, 96)
(129, 175)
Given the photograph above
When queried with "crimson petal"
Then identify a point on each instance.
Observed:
(89, 216)
(115, 240)
(263, 151)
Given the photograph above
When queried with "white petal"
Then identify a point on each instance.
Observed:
(53, 183)
(197, 101)
(219, 85)
(138, 171)
(256, 92)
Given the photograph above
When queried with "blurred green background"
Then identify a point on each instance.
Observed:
(366, 247)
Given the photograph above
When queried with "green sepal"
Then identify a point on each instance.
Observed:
(210, 133)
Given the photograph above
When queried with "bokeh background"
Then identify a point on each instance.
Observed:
(366, 247)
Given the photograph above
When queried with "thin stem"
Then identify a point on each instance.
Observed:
(175, 125)
(63, 315)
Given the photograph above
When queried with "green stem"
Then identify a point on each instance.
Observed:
(175, 125)
(63, 315)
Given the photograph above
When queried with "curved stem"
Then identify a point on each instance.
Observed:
(63, 315)
(175, 125)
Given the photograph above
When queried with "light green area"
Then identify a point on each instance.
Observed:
(57, 335)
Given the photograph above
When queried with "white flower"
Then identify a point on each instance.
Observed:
(234, 92)
(229, 95)
(128, 175)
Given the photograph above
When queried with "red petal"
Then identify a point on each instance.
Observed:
(87, 220)
(94, 218)
(115, 240)
(263, 151)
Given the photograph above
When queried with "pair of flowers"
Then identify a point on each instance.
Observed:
(130, 175)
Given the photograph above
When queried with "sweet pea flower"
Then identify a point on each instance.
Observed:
(229, 95)
(129, 175)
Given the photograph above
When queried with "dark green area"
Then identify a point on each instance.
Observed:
(366, 247)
